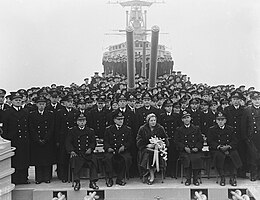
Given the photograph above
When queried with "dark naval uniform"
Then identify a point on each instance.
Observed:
(218, 137)
(207, 119)
(234, 119)
(79, 141)
(16, 130)
(41, 128)
(116, 137)
(170, 121)
(66, 120)
(130, 121)
(190, 137)
(195, 117)
(98, 121)
(251, 129)
(143, 112)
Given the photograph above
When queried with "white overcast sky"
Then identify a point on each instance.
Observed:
(62, 41)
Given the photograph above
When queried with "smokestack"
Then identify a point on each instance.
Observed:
(130, 58)
(153, 61)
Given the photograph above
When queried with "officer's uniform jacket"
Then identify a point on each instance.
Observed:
(170, 122)
(195, 117)
(98, 121)
(206, 121)
(16, 130)
(190, 137)
(251, 130)
(234, 119)
(225, 136)
(65, 121)
(80, 141)
(41, 127)
(143, 112)
(115, 138)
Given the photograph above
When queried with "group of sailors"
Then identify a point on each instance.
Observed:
(62, 125)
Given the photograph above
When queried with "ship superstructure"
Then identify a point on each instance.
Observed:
(114, 59)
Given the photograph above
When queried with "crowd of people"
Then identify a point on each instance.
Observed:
(141, 131)
(118, 64)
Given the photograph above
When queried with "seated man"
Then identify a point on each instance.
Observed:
(223, 142)
(190, 142)
(80, 144)
(117, 142)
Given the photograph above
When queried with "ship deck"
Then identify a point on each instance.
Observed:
(170, 189)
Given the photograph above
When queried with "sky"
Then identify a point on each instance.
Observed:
(62, 41)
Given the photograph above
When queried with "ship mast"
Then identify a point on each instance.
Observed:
(136, 17)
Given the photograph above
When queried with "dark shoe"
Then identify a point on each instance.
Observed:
(252, 179)
(63, 181)
(47, 182)
(196, 182)
(222, 181)
(38, 182)
(149, 182)
(233, 181)
(187, 182)
(110, 182)
(77, 186)
(93, 185)
(120, 182)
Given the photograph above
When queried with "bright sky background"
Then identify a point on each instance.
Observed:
(62, 41)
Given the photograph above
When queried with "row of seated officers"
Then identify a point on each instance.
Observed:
(126, 146)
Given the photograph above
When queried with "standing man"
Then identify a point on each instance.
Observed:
(41, 128)
(207, 118)
(80, 144)
(194, 109)
(16, 130)
(251, 129)
(190, 142)
(170, 121)
(117, 143)
(234, 114)
(3, 106)
(98, 118)
(146, 109)
(66, 120)
(130, 121)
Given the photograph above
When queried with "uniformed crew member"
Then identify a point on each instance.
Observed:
(194, 109)
(66, 120)
(117, 142)
(80, 144)
(170, 121)
(223, 142)
(234, 114)
(3, 106)
(251, 129)
(130, 121)
(16, 130)
(207, 118)
(98, 118)
(190, 142)
(146, 109)
(41, 128)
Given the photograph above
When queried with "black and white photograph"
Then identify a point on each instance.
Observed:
(130, 99)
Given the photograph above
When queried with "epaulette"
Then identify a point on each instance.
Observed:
(128, 127)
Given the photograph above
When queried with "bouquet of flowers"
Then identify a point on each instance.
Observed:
(159, 148)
